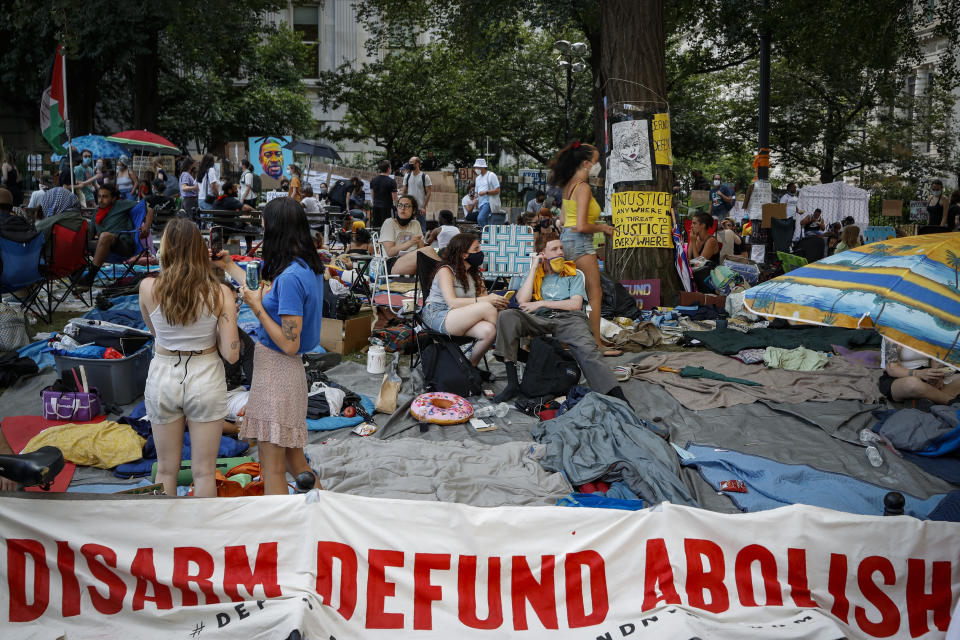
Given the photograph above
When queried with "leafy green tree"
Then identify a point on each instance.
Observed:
(159, 65)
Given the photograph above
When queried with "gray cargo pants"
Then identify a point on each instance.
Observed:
(570, 327)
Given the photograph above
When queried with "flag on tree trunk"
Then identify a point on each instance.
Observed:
(52, 106)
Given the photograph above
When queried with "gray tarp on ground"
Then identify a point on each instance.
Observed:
(782, 432)
(912, 429)
(838, 380)
(602, 437)
(468, 472)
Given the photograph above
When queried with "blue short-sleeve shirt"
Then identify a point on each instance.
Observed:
(554, 287)
(297, 291)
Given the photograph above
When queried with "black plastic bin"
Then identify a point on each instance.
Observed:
(120, 381)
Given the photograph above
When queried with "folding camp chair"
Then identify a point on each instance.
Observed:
(20, 272)
(781, 232)
(876, 233)
(143, 247)
(65, 254)
(379, 271)
(507, 250)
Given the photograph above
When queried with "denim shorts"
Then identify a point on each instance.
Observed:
(435, 316)
(576, 244)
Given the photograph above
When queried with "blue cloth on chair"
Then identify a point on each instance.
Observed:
(125, 311)
(772, 484)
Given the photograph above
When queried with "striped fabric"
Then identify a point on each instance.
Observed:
(507, 250)
(907, 288)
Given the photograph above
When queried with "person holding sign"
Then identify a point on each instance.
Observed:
(569, 170)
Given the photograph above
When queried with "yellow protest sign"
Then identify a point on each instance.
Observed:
(642, 219)
(661, 139)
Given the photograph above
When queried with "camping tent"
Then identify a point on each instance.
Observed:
(837, 200)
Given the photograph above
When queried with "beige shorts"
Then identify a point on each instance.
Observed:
(186, 386)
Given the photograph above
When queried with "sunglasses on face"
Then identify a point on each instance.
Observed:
(404, 205)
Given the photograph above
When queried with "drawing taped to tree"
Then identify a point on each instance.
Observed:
(631, 159)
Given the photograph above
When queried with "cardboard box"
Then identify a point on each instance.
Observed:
(699, 197)
(346, 336)
(689, 298)
(773, 210)
(892, 209)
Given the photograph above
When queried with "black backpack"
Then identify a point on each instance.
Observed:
(445, 368)
(551, 369)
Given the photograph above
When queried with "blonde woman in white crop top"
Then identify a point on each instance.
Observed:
(194, 319)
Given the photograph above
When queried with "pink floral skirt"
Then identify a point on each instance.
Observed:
(277, 408)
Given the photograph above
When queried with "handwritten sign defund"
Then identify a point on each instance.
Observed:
(642, 219)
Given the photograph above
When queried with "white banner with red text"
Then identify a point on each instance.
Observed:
(328, 566)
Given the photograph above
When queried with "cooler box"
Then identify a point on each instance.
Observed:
(119, 381)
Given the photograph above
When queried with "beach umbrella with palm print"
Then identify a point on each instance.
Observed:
(906, 288)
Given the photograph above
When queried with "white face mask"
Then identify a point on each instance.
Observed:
(716, 183)
(595, 170)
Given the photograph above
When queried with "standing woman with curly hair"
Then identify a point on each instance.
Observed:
(569, 170)
(193, 317)
(458, 304)
(289, 313)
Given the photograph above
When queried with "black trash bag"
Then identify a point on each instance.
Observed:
(616, 303)
(13, 368)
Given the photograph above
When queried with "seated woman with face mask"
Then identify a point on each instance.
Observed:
(458, 303)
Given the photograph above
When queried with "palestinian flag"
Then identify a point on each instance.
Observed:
(52, 105)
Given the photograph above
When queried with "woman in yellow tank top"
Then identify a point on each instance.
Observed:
(569, 170)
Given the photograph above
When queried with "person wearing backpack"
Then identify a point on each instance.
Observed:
(248, 187)
(551, 303)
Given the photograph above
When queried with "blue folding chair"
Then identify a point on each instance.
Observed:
(20, 272)
(143, 247)
(507, 250)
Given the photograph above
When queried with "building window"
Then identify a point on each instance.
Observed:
(306, 23)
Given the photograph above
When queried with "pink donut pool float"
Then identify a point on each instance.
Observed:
(439, 407)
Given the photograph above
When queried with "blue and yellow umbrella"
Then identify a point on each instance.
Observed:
(906, 288)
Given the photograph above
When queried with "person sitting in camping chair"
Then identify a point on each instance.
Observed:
(113, 226)
(551, 303)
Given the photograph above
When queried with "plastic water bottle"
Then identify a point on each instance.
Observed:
(873, 453)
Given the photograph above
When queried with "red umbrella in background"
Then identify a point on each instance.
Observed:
(143, 140)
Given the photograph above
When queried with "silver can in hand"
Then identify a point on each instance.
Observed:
(253, 275)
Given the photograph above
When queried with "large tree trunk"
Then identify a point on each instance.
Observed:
(145, 84)
(83, 76)
(633, 67)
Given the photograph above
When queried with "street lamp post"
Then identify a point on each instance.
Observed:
(571, 59)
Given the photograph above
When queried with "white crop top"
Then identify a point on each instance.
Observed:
(198, 336)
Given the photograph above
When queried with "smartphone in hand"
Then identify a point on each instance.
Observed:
(216, 241)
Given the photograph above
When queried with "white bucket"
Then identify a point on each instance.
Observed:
(376, 359)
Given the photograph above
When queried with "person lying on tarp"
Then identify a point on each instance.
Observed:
(551, 303)
(909, 375)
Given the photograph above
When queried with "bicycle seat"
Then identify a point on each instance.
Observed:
(39, 467)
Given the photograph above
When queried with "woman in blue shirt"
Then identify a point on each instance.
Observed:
(288, 305)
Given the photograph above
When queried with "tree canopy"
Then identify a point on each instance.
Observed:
(196, 72)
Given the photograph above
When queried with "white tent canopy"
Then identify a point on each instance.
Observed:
(837, 200)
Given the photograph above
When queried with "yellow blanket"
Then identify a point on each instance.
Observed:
(569, 269)
(101, 444)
